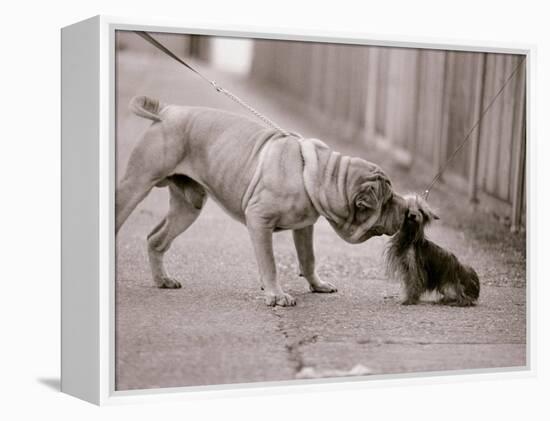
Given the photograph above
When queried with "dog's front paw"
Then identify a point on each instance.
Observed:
(168, 283)
(409, 302)
(461, 302)
(282, 299)
(323, 287)
(447, 301)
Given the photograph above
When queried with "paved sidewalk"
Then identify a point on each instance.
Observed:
(216, 329)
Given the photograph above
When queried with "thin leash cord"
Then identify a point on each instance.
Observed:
(442, 170)
(218, 88)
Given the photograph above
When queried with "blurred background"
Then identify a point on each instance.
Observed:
(417, 105)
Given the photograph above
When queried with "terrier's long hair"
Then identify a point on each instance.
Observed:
(423, 266)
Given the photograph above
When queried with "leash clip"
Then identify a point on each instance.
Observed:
(215, 86)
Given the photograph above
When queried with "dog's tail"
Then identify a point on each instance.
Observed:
(146, 107)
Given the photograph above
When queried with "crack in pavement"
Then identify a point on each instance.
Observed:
(295, 354)
(293, 346)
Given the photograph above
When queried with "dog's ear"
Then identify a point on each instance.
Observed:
(368, 196)
(374, 193)
(426, 210)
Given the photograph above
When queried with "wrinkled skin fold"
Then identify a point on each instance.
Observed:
(354, 195)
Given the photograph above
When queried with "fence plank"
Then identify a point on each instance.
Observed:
(476, 135)
(372, 90)
(381, 91)
(493, 116)
(442, 146)
(506, 133)
(518, 183)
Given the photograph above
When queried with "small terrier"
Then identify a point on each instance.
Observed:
(424, 266)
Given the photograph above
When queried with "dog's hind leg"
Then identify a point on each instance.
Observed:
(303, 240)
(187, 198)
(148, 165)
(129, 193)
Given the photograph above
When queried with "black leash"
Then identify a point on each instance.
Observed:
(440, 172)
(218, 88)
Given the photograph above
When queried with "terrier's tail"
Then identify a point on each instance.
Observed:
(146, 107)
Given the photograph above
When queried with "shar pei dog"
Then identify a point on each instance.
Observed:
(266, 180)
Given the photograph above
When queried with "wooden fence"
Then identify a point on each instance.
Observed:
(419, 103)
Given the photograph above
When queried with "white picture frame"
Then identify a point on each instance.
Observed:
(88, 186)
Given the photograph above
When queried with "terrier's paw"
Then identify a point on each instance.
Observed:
(323, 287)
(409, 302)
(168, 283)
(283, 300)
(447, 300)
(462, 302)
